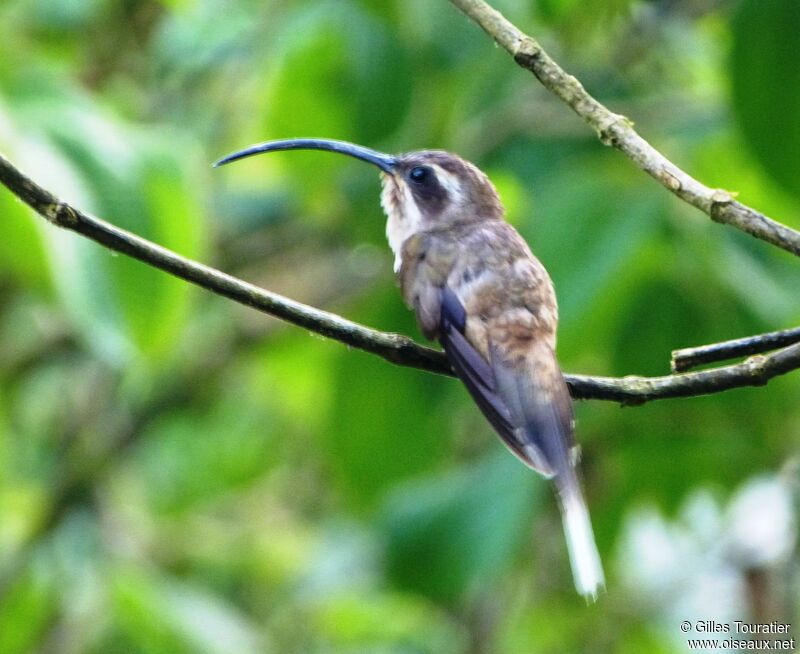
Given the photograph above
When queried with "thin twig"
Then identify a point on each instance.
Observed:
(691, 357)
(395, 348)
(755, 371)
(617, 131)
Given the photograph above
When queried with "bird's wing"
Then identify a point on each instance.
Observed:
(471, 367)
(527, 403)
(538, 400)
(479, 377)
(513, 401)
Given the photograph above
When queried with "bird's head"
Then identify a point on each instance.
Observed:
(428, 190)
(434, 190)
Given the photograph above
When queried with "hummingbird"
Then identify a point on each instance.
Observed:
(477, 288)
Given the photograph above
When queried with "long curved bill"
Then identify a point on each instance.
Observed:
(383, 161)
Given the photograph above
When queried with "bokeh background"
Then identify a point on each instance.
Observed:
(180, 474)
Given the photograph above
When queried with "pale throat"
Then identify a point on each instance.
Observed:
(403, 217)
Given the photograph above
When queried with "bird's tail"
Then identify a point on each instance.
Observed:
(587, 570)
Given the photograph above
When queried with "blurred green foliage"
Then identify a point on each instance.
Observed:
(178, 474)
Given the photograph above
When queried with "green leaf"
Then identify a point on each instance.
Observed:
(25, 613)
(143, 614)
(22, 250)
(174, 462)
(458, 530)
(342, 54)
(158, 615)
(143, 184)
(388, 423)
(578, 22)
(390, 623)
(22, 253)
(156, 305)
(764, 71)
(63, 15)
(589, 235)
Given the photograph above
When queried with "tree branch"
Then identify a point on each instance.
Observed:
(392, 347)
(395, 348)
(617, 131)
(691, 357)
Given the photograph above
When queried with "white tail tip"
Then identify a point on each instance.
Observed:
(584, 558)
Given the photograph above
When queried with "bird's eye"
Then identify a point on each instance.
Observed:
(420, 174)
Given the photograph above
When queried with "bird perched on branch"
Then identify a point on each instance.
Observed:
(477, 288)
